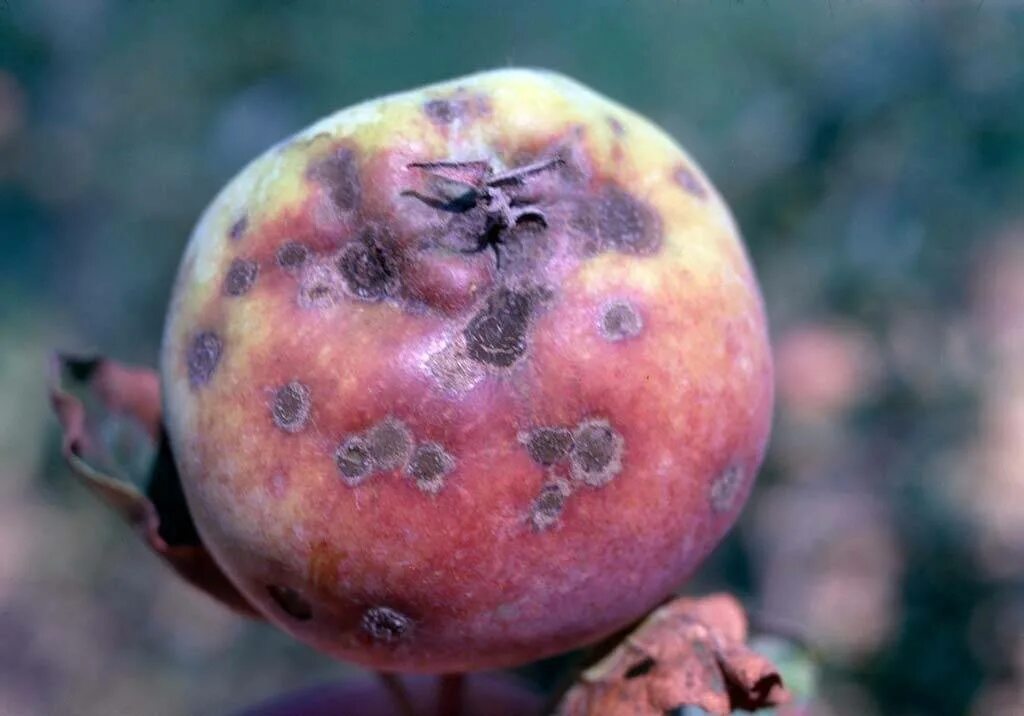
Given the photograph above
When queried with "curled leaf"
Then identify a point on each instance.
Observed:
(111, 420)
(689, 652)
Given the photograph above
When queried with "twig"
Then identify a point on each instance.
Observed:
(393, 684)
(449, 695)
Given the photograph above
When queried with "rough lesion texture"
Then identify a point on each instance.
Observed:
(547, 507)
(338, 174)
(384, 447)
(597, 453)
(429, 466)
(240, 277)
(291, 407)
(204, 353)
(620, 320)
(548, 445)
(385, 625)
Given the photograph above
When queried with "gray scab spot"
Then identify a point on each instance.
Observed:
(353, 460)
(238, 228)
(442, 111)
(687, 179)
(367, 265)
(624, 223)
(339, 174)
(548, 505)
(389, 444)
(547, 445)
(497, 334)
(203, 356)
(292, 255)
(240, 277)
(619, 321)
(725, 488)
(291, 602)
(385, 625)
(597, 457)
(428, 467)
(291, 407)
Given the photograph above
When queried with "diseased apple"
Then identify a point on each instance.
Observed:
(466, 376)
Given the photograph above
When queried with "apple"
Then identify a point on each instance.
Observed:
(466, 376)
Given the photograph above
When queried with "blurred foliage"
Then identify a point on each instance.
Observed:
(873, 153)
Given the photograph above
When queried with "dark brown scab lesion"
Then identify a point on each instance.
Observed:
(389, 444)
(385, 625)
(204, 353)
(442, 111)
(290, 602)
(353, 460)
(496, 335)
(597, 455)
(368, 264)
(548, 445)
(619, 320)
(241, 276)
(338, 173)
(626, 224)
(428, 467)
(291, 407)
(687, 179)
(725, 488)
(292, 255)
(238, 228)
(460, 105)
(547, 507)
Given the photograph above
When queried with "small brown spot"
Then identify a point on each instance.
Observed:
(547, 445)
(367, 266)
(291, 407)
(497, 334)
(625, 223)
(238, 228)
(428, 467)
(353, 460)
(687, 179)
(339, 174)
(292, 255)
(240, 277)
(203, 356)
(726, 488)
(291, 602)
(386, 625)
(389, 444)
(597, 456)
(547, 508)
(442, 111)
(619, 321)
(617, 129)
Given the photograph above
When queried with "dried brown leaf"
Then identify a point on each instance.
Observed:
(89, 395)
(689, 652)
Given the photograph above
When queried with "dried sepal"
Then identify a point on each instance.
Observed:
(111, 421)
(689, 652)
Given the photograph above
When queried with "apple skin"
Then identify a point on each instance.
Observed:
(426, 458)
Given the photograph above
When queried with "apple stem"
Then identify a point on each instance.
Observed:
(449, 697)
(400, 695)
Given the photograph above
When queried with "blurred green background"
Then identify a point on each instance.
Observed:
(873, 153)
